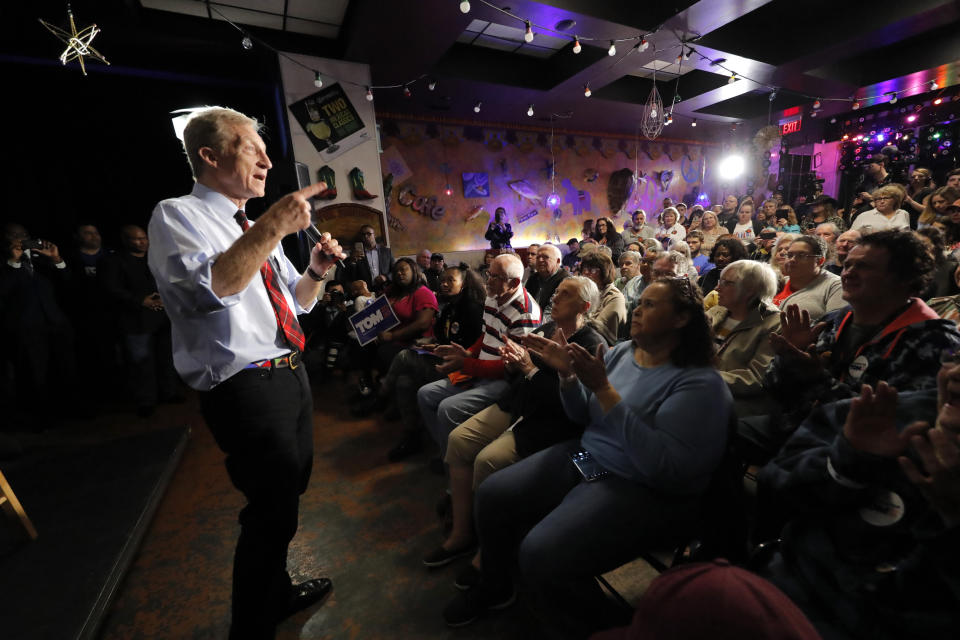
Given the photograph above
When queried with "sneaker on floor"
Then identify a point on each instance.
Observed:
(441, 557)
(468, 578)
(467, 606)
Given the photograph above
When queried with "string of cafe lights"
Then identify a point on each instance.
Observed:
(641, 43)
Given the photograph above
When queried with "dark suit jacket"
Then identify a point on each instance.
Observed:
(543, 291)
(360, 270)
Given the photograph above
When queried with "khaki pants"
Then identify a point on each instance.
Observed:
(484, 443)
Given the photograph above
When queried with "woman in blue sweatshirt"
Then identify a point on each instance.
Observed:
(657, 414)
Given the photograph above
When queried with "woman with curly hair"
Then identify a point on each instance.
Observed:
(606, 235)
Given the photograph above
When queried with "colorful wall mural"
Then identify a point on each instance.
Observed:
(445, 181)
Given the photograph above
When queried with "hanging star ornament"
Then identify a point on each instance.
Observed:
(78, 42)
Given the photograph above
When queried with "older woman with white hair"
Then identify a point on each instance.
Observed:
(742, 322)
(531, 405)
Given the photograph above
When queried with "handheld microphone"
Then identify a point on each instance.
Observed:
(315, 238)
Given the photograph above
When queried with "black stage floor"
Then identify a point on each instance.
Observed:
(91, 504)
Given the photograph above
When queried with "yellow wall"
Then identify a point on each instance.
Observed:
(423, 148)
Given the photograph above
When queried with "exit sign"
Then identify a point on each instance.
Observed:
(790, 125)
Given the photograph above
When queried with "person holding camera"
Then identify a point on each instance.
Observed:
(35, 335)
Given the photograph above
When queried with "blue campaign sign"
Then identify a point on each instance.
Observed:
(375, 318)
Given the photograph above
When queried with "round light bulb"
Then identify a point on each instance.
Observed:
(612, 51)
(644, 44)
(465, 6)
(694, 123)
(448, 191)
(406, 92)
(933, 85)
(576, 45)
(432, 85)
(246, 43)
(893, 99)
(856, 105)
(476, 107)
(530, 111)
(653, 113)
(528, 34)
(317, 80)
(816, 104)
(586, 91)
(733, 78)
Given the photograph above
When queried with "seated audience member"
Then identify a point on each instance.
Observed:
(657, 414)
(681, 208)
(935, 205)
(742, 322)
(828, 232)
(941, 283)
(886, 334)
(499, 231)
(423, 260)
(725, 251)
(415, 306)
(572, 258)
(531, 406)
(779, 256)
(474, 377)
(919, 189)
(35, 335)
(953, 179)
(728, 210)
(639, 229)
(634, 246)
(845, 241)
(605, 234)
(611, 313)
(872, 507)
(548, 274)
(700, 261)
(683, 249)
(948, 307)
(763, 250)
(462, 294)
(670, 229)
(809, 285)
(669, 264)
(712, 230)
(768, 213)
(744, 227)
(488, 258)
(695, 218)
(822, 210)
(434, 271)
(531, 267)
(630, 282)
(786, 219)
(143, 323)
(886, 212)
(713, 600)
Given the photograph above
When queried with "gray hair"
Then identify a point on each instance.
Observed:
(602, 248)
(754, 280)
(679, 261)
(210, 128)
(831, 226)
(553, 249)
(634, 255)
(512, 265)
(587, 289)
(681, 247)
(652, 243)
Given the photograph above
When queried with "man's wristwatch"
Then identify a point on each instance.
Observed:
(316, 277)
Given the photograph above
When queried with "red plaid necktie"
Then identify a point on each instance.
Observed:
(286, 319)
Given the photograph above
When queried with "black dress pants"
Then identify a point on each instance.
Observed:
(263, 420)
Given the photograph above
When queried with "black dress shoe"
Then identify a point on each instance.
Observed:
(411, 444)
(306, 594)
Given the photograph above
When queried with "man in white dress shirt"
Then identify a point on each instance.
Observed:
(232, 297)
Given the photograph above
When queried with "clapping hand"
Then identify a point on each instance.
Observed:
(553, 353)
(797, 339)
(453, 356)
(590, 368)
(871, 423)
(515, 356)
(939, 452)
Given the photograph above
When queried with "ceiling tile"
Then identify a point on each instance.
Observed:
(329, 11)
(312, 28)
(189, 7)
(250, 18)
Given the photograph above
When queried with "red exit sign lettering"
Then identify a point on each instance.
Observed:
(790, 126)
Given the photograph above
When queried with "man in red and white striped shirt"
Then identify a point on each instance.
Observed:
(475, 376)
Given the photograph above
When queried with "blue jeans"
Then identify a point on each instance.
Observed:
(565, 531)
(443, 406)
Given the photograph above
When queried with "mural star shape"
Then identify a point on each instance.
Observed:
(78, 42)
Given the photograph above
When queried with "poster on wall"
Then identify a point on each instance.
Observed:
(330, 121)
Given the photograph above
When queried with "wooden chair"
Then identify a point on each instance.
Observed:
(10, 504)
